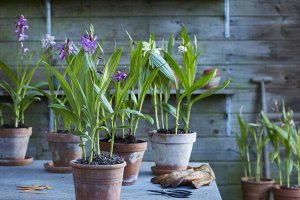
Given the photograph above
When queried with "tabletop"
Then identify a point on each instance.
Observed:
(63, 188)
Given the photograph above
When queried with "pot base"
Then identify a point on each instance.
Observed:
(158, 171)
(53, 169)
(28, 160)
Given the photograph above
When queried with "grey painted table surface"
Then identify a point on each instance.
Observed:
(63, 188)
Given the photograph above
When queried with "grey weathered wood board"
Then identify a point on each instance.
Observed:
(264, 41)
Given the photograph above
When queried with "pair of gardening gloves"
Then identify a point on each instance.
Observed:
(196, 177)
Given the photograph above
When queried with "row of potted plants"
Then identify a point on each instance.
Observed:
(284, 137)
(98, 98)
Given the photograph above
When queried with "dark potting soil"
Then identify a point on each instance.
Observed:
(290, 188)
(13, 126)
(102, 159)
(172, 131)
(128, 139)
(63, 131)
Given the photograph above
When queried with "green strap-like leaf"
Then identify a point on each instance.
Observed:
(9, 73)
(158, 61)
(211, 91)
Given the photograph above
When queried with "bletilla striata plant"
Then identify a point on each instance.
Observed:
(19, 87)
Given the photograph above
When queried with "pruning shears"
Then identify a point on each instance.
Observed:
(173, 193)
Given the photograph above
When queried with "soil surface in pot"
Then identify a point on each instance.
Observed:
(128, 139)
(13, 126)
(290, 188)
(62, 131)
(102, 159)
(172, 131)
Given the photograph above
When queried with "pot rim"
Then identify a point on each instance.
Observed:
(172, 138)
(15, 132)
(155, 132)
(128, 148)
(263, 180)
(279, 187)
(97, 167)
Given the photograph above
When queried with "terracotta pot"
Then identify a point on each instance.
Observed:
(132, 154)
(64, 148)
(215, 81)
(97, 182)
(172, 151)
(14, 142)
(285, 193)
(253, 190)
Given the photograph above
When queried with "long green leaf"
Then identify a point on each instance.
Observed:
(211, 91)
(9, 73)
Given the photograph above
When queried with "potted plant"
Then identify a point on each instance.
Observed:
(287, 135)
(130, 92)
(172, 146)
(14, 136)
(253, 187)
(88, 109)
(63, 145)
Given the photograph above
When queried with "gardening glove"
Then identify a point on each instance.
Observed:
(196, 177)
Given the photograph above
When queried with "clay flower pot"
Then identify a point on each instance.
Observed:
(253, 190)
(215, 81)
(285, 193)
(132, 154)
(97, 182)
(14, 142)
(64, 148)
(172, 151)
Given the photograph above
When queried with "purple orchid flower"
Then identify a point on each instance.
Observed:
(119, 76)
(89, 43)
(21, 27)
(66, 49)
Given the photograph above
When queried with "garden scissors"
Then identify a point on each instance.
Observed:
(173, 193)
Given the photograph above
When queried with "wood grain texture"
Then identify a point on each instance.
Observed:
(213, 52)
(265, 41)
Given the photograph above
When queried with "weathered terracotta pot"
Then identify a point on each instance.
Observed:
(97, 182)
(64, 148)
(14, 142)
(253, 190)
(285, 193)
(172, 151)
(215, 81)
(132, 154)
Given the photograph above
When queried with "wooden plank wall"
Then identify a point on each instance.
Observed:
(264, 41)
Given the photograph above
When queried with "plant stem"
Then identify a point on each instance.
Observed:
(258, 168)
(161, 109)
(55, 122)
(177, 117)
(83, 148)
(288, 178)
(98, 142)
(91, 151)
(123, 123)
(112, 141)
(167, 120)
(279, 170)
(155, 107)
(248, 161)
(188, 114)
(245, 167)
